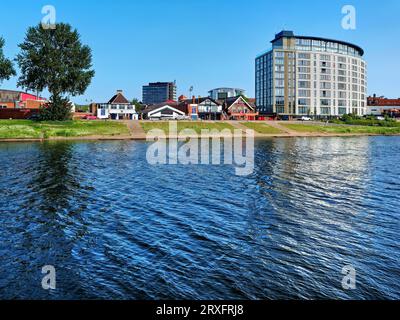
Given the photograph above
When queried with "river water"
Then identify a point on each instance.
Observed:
(115, 227)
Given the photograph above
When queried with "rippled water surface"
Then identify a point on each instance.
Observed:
(115, 227)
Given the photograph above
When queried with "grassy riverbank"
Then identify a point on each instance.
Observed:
(262, 128)
(342, 129)
(26, 129)
(196, 126)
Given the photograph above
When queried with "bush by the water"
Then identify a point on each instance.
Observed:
(352, 119)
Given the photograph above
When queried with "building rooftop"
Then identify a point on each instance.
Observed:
(290, 34)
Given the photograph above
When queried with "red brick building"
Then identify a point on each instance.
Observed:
(383, 102)
(381, 105)
(11, 99)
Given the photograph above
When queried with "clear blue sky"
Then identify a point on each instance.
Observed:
(205, 43)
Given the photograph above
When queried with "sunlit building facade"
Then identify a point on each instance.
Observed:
(311, 76)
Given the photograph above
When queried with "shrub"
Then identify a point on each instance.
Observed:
(59, 109)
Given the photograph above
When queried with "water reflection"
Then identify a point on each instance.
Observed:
(51, 202)
(116, 227)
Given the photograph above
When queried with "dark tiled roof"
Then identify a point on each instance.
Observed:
(118, 99)
(160, 105)
(200, 100)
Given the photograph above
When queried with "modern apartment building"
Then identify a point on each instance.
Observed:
(159, 92)
(225, 93)
(311, 76)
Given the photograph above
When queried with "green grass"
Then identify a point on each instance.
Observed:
(342, 129)
(26, 129)
(196, 126)
(262, 128)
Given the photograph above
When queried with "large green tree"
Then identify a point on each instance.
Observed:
(6, 66)
(56, 60)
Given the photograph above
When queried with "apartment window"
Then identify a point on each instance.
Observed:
(304, 56)
(304, 84)
(325, 57)
(325, 85)
(325, 111)
(325, 64)
(304, 70)
(303, 110)
(304, 93)
(304, 102)
(280, 109)
(304, 76)
(325, 94)
(325, 102)
(342, 95)
(325, 77)
(304, 63)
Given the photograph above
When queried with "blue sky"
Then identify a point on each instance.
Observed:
(205, 43)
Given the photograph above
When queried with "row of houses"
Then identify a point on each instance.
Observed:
(15, 104)
(201, 108)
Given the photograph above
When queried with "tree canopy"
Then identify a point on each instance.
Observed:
(56, 60)
(6, 66)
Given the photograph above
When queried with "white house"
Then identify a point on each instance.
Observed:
(165, 111)
(118, 108)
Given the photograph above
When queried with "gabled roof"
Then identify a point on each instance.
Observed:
(199, 101)
(162, 106)
(231, 101)
(118, 99)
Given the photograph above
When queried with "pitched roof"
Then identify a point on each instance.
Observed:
(230, 101)
(200, 100)
(162, 106)
(118, 99)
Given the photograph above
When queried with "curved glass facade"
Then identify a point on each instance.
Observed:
(311, 76)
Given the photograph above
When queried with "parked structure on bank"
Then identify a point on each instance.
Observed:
(379, 106)
(118, 108)
(159, 92)
(11, 99)
(169, 110)
(238, 108)
(311, 76)
(202, 108)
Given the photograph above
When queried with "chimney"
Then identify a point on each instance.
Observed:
(194, 99)
(120, 91)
